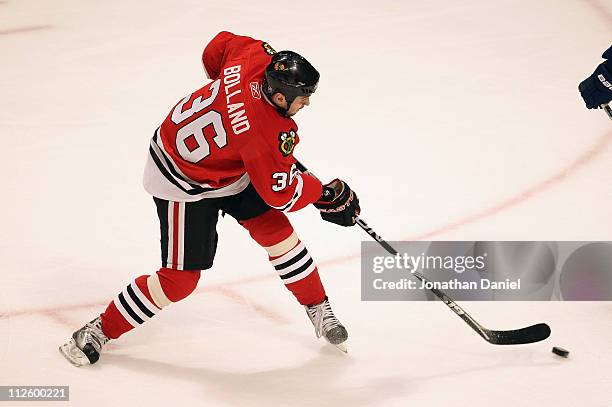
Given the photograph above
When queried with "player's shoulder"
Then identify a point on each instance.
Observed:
(242, 47)
(273, 130)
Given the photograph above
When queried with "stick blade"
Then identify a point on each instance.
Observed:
(530, 334)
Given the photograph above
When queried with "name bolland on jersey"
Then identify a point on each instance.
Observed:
(225, 135)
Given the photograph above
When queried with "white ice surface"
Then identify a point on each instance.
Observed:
(454, 120)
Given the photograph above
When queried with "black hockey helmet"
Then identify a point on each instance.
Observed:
(290, 74)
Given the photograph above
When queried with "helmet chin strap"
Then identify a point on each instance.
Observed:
(283, 111)
(268, 96)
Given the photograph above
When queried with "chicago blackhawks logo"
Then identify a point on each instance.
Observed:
(286, 142)
(279, 66)
(269, 50)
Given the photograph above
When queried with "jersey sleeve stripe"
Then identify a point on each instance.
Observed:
(296, 195)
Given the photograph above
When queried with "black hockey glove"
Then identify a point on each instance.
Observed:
(338, 203)
(596, 90)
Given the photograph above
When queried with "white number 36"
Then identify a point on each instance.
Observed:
(281, 179)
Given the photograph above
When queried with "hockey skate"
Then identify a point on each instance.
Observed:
(327, 325)
(85, 345)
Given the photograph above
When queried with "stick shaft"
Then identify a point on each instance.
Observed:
(608, 110)
(530, 334)
(440, 294)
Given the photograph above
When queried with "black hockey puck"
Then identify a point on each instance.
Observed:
(560, 351)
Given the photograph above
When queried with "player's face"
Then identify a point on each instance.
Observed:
(297, 104)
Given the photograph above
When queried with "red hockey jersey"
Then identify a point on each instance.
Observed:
(226, 135)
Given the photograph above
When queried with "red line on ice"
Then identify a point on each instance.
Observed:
(582, 160)
(560, 176)
(266, 312)
(21, 30)
(595, 4)
(538, 188)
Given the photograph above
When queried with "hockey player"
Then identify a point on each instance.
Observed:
(228, 147)
(596, 90)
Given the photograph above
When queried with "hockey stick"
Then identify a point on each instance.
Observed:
(608, 110)
(530, 334)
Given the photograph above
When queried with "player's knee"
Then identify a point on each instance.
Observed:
(177, 284)
(271, 230)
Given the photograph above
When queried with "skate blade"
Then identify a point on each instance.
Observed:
(73, 354)
(342, 347)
